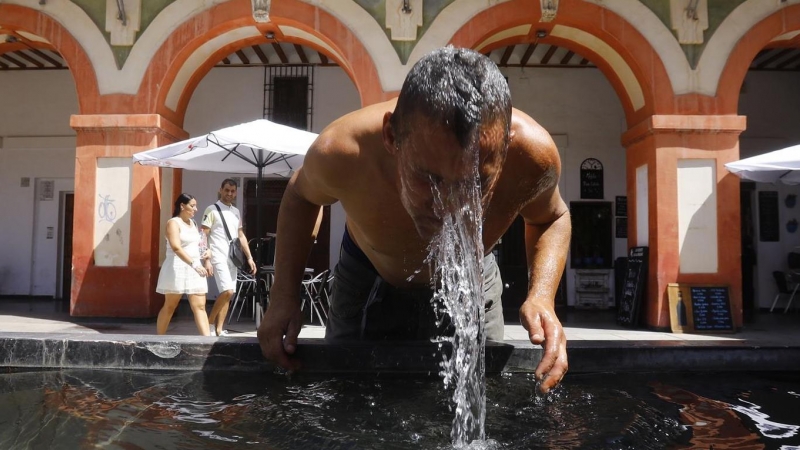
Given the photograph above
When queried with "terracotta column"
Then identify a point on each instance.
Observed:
(668, 145)
(117, 215)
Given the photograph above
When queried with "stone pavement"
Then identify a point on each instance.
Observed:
(48, 316)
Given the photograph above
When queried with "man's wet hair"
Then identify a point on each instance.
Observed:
(229, 181)
(456, 87)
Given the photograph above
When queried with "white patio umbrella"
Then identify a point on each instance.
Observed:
(259, 147)
(778, 166)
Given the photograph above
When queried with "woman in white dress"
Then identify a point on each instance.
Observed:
(183, 271)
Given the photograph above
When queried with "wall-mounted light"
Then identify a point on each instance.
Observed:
(541, 34)
(261, 10)
(270, 35)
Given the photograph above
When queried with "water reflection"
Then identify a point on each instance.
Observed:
(123, 410)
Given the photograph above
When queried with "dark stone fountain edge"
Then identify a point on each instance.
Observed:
(146, 352)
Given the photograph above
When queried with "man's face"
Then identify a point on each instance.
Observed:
(227, 193)
(431, 160)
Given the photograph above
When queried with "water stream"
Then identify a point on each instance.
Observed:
(456, 256)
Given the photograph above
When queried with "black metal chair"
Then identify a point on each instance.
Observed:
(783, 280)
(312, 292)
(250, 288)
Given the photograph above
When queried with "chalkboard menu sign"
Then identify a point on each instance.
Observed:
(698, 308)
(711, 308)
(592, 179)
(769, 229)
(633, 288)
(621, 206)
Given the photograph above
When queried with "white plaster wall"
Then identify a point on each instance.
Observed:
(581, 109)
(697, 215)
(25, 229)
(771, 102)
(33, 105)
(37, 103)
(112, 220)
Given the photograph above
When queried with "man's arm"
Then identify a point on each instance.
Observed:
(547, 235)
(300, 207)
(207, 262)
(537, 166)
(246, 250)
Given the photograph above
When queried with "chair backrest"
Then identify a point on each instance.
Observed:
(315, 285)
(267, 245)
(793, 260)
(780, 280)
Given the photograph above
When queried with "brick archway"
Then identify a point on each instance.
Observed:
(753, 41)
(40, 24)
(625, 57)
(187, 55)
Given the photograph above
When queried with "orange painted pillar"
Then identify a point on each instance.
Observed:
(117, 215)
(660, 142)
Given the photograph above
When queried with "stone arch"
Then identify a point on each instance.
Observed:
(741, 54)
(78, 62)
(624, 55)
(195, 46)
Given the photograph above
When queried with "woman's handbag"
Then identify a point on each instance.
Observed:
(235, 252)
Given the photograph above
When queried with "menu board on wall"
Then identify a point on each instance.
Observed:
(633, 287)
(769, 229)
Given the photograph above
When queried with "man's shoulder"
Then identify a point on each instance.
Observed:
(531, 138)
(346, 144)
(208, 215)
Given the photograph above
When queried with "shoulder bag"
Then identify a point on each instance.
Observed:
(235, 252)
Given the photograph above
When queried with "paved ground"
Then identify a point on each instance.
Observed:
(47, 316)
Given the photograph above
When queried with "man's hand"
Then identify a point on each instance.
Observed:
(544, 329)
(209, 268)
(278, 332)
(252, 266)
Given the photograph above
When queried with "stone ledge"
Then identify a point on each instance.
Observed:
(189, 353)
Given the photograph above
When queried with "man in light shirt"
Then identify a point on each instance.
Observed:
(220, 265)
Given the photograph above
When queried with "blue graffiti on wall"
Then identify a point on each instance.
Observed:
(106, 209)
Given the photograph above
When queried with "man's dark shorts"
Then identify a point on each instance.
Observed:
(363, 306)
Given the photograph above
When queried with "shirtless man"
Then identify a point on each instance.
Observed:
(382, 163)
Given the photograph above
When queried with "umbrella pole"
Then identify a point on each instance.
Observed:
(259, 235)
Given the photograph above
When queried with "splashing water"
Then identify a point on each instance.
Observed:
(456, 256)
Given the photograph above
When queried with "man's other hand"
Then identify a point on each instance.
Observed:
(545, 329)
(252, 265)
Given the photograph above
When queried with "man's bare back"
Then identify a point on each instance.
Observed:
(360, 173)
